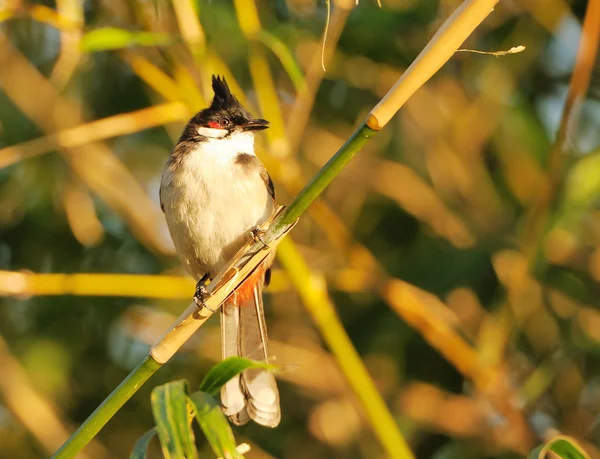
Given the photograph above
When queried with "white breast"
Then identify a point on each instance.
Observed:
(211, 203)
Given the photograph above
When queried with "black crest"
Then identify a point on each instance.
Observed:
(223, 99)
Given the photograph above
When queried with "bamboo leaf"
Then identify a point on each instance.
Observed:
(564, 446)
(108, 38)
(213, 423)
(141, 446)
(169, 406)
(286, 58)
(582, 185)
(227, 369)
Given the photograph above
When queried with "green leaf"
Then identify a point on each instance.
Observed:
(170, 409)
(583, 181)
(141, 446)
(213, 423)
(108, 38)
(227, 369)
(285, 56)
(566, 447)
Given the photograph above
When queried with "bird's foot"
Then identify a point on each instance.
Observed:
(257, 233)
(201, 294)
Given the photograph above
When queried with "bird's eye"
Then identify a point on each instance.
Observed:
(225, 123)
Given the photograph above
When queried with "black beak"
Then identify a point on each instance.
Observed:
(255, 125)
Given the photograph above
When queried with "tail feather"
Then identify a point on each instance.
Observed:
(253, 394)
(232, 397)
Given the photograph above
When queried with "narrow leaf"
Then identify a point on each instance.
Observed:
(582, 184)
(141, 446)
(227, 369)
(285, 56)
(107, 38)
(564, 446)
(169, 406)
(213, 423)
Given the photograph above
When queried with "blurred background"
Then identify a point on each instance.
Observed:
(461, 247)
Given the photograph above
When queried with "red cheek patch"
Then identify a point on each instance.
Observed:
(214, 125)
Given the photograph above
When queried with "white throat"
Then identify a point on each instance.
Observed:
(215, 150)
(212, 133)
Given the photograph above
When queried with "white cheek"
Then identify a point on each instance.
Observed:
(212, 133)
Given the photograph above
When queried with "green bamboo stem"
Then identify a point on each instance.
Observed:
(313, 291)
(107, 409)
(324, 177)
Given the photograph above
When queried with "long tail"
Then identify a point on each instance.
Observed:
(253, 394)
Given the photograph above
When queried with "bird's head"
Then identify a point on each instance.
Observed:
(225, 117)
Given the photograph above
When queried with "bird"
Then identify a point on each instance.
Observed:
(215, 192)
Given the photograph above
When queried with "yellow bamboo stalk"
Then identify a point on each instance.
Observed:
(412, 305)
(69, 56)
(313, 290)
(80, 211)
(153, 76)
(438, 51)
(264, 86)
(106, 128)
(300, 113)
(195, 39)
(21, 398)
(189, 26)
(97, 166)
(195, 98)
(127, 285)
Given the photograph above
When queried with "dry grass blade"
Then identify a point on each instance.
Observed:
(417, 198)
(98, 168)
(19, 396)
(94, 131)
(81, 215)
(70, 37)
(247, 14)
(153, 76)
(418, 308)
(580, 81)
(578, 86)
(189, 26)
(302, 107)
(40, 13)
(421, 310)
(327, 2)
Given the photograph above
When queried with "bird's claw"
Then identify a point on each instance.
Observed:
(200, 296)
(257, 233)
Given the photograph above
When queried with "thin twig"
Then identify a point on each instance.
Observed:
(327, 2)
(513, 50)
(442, 46)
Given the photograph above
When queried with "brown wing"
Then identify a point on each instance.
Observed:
(268, 182)
(251, 162)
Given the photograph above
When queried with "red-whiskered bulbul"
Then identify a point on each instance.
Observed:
(214, 192)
